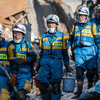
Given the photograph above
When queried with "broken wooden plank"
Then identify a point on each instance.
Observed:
(12, 19)
(12, 7)
(5, 21)
(21, 18)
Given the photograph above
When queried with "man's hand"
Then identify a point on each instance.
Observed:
(22, 60)
(69, 53)
(12, 82)
(68, 68)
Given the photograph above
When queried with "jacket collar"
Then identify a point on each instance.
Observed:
(56, 34)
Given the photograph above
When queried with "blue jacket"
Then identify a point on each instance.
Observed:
(97, 22)
(25, 50)
(54, 47)
(8, 55)
(86, 35)
(82, 35)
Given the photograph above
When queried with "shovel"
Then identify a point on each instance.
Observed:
(3, 66)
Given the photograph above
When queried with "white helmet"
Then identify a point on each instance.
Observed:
(83, 11)
(19, 27)
(53, 18)
(98, 7)
(1, 29)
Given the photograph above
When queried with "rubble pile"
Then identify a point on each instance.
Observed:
(13, 12)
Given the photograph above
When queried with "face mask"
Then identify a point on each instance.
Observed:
(51, 30)
(82, 21)
(17, 41)
(84, 5)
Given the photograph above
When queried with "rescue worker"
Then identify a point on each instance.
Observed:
(90, 5)
(25, 56)
(97, 18)
(53, 44)
(93, 94)
(8, 56)
(84, 36)
(84, 3)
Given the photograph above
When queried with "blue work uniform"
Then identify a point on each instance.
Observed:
(24, 50)
(97, 22)
(8, 56)
(91, 95)
(84, 37)
(53, 50)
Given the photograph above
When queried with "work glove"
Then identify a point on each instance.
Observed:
(68, 68)
(22, 60)
(12, 82)
(69, 53)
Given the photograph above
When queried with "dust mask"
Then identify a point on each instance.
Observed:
(17, 41)
(84, 5)
(51, 30)
(82, 21)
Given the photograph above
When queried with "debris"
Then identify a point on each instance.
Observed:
(12, 7)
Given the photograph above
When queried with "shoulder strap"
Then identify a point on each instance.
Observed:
(11, 42)
(26, 45)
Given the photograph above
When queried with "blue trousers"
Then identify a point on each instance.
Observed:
(50, 72)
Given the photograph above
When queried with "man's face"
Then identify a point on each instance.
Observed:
(18, 35)
(52, 25)
(84, 2)
(82, 17)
